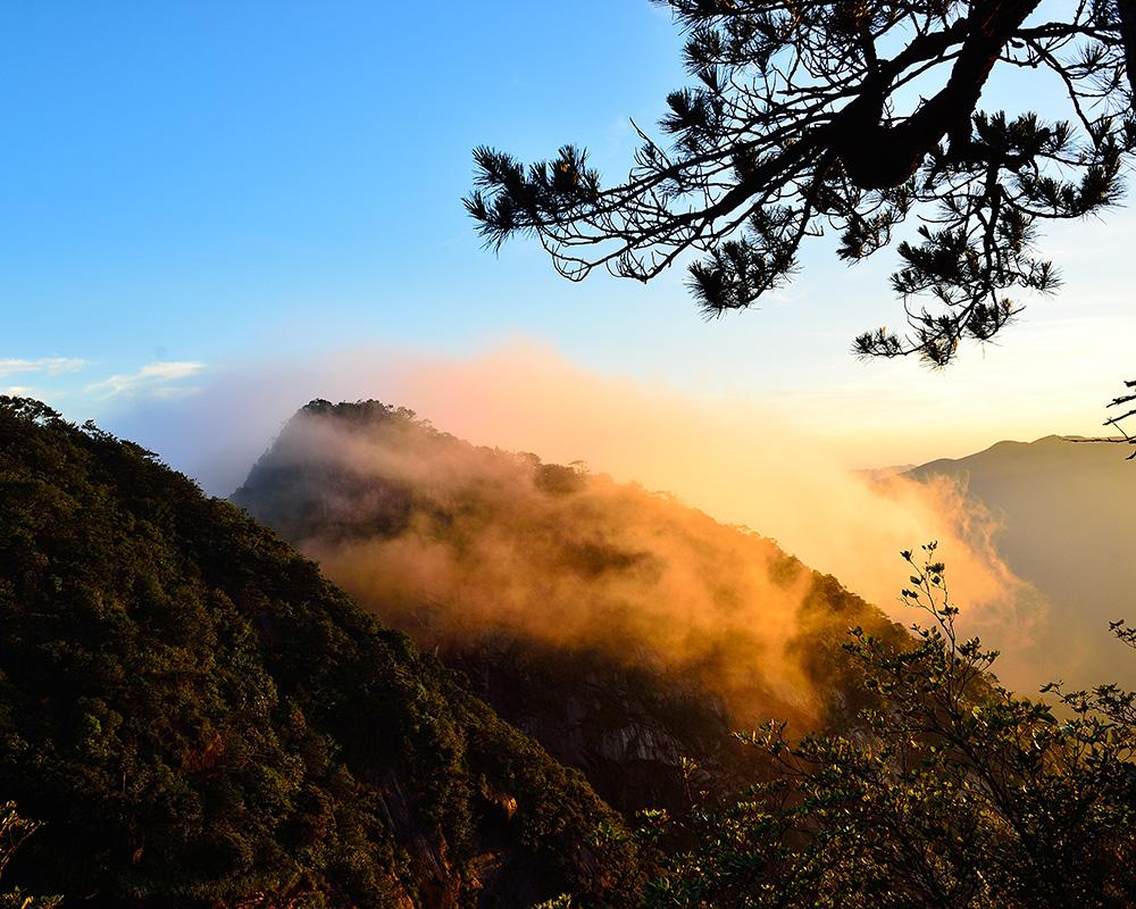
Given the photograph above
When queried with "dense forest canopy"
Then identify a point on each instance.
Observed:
(198, 718)
(863, 119)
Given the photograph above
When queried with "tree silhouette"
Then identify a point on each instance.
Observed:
(1117, 421)
(857, 117)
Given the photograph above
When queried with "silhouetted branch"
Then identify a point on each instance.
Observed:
(798, 122)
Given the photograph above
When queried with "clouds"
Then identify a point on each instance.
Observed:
(39, 368)
(76, 380)
(51, 366)
(161, 379)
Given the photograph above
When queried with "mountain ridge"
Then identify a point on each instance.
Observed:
(1064, 512)
(200, 718)
(535, 577)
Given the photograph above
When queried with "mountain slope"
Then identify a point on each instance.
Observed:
(1068, 520)
(622, 629)
(201, 719)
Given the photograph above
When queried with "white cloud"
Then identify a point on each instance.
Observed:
(154, 380)
(51, 366)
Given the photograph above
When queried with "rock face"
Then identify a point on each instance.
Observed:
(629, 634)
(200, 719)
(634, 734)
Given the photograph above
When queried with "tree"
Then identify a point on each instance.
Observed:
(857, 117)
(1116, 421)
(950, 792)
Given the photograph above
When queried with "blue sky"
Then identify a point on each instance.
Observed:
(187, 181)
(190, 186)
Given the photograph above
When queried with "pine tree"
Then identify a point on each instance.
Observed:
(857, 117)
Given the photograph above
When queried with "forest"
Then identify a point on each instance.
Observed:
(193, 715)
(794, 573)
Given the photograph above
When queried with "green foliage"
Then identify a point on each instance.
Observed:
(950, 792)
(200, 718)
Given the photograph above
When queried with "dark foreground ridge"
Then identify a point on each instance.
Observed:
(199, 718)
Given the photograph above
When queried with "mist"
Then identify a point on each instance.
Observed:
(737, 461)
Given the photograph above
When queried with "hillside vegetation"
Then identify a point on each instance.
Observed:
(603, 617)
(951, 792)
(198, 718)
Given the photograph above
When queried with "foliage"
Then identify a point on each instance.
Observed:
(952, 792)
(200, 718)
(856, 118)
(14, 829)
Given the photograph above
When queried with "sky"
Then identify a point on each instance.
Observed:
(202, 190)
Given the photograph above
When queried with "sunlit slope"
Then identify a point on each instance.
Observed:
(1067, 516)
(201, 719)
(495, 557)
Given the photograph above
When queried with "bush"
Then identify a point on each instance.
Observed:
(951, 791)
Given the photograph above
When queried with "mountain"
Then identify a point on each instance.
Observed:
(199, 718)
(1067, 516)
(626, 632)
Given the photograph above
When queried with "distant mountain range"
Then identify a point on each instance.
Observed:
(1067, 516)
